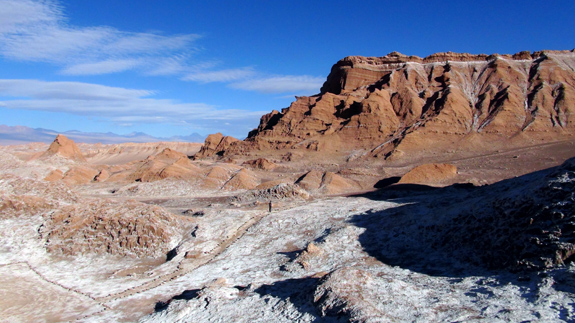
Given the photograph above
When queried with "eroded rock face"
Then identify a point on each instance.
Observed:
(29, 197)
(379, 103)
(54, 176)
(80, 175)
(23, 205)
(261, 163)
(104, 227)
(281, 191)
(215, 144)
(340, 292)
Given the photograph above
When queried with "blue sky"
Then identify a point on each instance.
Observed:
(182, 66)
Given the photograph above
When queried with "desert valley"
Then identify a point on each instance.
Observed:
(436, 189)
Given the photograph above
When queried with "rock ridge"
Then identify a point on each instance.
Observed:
(379, 103)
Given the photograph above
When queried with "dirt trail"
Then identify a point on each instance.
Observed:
(186, 265)
(42, 277)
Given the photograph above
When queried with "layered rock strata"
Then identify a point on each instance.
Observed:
(378, 103)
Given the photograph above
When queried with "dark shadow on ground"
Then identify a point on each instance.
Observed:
(186, 295)
(291, 255)
(404, 235)
(300, 293)
(386, 182)
(459, 228)
(506, 229)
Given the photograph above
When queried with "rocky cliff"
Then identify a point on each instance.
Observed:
(381, 103)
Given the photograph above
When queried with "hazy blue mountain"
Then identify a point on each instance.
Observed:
(15, 135)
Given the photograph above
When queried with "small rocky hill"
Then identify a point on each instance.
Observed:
(104, 227)
(446, 100)
(64, 147)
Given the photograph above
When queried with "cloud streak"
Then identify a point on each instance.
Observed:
(103, 67)
(281, 84)
(248, 79)
(220, 76)
(36, 31)
(114, 104)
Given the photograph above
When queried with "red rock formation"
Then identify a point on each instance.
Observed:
(54, 176)
(378, 103)
(80, 175)
(64, 147)
(214, 145)
(431, 174)
(242, 180)
(326, 182)
(167, 164)
(261, 163)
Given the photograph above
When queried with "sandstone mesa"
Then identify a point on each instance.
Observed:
(423, 106)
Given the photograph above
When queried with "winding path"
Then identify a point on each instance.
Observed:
(186, 265)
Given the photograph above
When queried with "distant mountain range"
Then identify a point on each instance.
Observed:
(16, 135)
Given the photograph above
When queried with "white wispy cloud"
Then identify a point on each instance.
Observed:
(114, 104)
(32, 30)
(103, 67)
(37, 89)
(174, 65)
(249, 79)
(227, 75)
(281, 84)
(38, 31)
(16, 16)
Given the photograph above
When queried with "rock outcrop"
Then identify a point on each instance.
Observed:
(242, 180)
(167, 164)
(27, 197)
(261, 163)
(54, 176)
(215, 144)
(19, 186)
(380, 103)
(104, 227)
(326, 183)
(79, 175)
(64, 147)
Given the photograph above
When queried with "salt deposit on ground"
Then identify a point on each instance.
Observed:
(373, 257)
